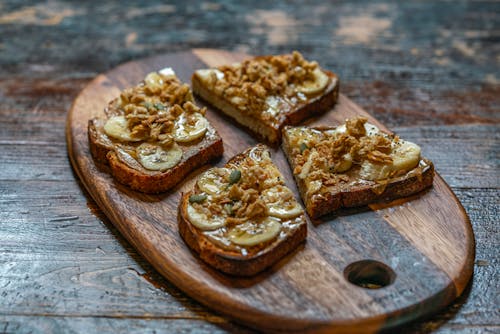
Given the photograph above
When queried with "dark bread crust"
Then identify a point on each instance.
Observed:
(271, 132)
(98, 149)
(209, 148)
(335, 198)
(232, 262)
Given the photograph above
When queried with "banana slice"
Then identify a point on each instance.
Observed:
(273, 174)
(307, 165)
(374, 172)
(259, 155)
(273, 103)
(273, 177)
(206, 74)
(154, 79)
(344, 165)
(202, 221)
(253, 233)
(157, 158)
(213, 181)
(190, 127)
(277, 206)
(167, 72)
(312, 87)
(117, 127)
(405, 156)
(304, 136)
(370, 130)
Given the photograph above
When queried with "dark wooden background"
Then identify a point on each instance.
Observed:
(430, 70)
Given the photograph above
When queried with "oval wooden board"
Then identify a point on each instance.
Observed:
(427, 240)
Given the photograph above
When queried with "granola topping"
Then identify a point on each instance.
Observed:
(152, 118)
(153, 107)
(358, 149)
(266, 86)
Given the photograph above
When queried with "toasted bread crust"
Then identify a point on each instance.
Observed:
(160, 182)
(230, 262)
(97, 148)
(320, 205)
(271, 132)
(209, 148)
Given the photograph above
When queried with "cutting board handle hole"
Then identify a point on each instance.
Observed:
(369, 274)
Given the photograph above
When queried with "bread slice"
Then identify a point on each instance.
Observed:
(266, 93)
(351, 165)
(242, 218)
(153, 135)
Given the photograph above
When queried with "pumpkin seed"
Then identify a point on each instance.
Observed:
(197, 198)
(234, 177)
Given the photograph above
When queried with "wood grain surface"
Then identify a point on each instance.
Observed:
(427, 241)
(427, 69)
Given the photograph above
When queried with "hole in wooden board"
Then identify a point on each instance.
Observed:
(369, 274)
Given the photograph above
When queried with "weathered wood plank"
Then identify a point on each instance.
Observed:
(366, 40)
(404, 72)
(21, 324)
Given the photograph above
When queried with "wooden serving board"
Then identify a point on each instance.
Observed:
(421, 248)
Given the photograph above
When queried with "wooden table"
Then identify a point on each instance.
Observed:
(428, 70)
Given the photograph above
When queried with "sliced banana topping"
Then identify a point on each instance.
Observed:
(304, 136)
(210, 76)
(405, 156)
(274, 177)
(370, 130)
(344, 165)
(259, 155)
(278, 206)
(213, 181)
(154, 157)
(253, 233)
(153, 79)
(373, 172)
(117, 128)
(308, 164)
(202, 221)
(206, 74)
(315, 86)
(189, 127)
(272, 103)
(167, 72)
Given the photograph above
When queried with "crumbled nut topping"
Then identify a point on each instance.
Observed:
(242, 201)
(152, 107)
(247, 85)
(333, 154)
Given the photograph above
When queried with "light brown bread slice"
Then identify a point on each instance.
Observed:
(354, 164)
(153, 135)
(242, 218)
(266, 93)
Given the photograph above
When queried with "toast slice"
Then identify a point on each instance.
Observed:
(242, 218)
(266, 93)
(354, 164)
(153, 135)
